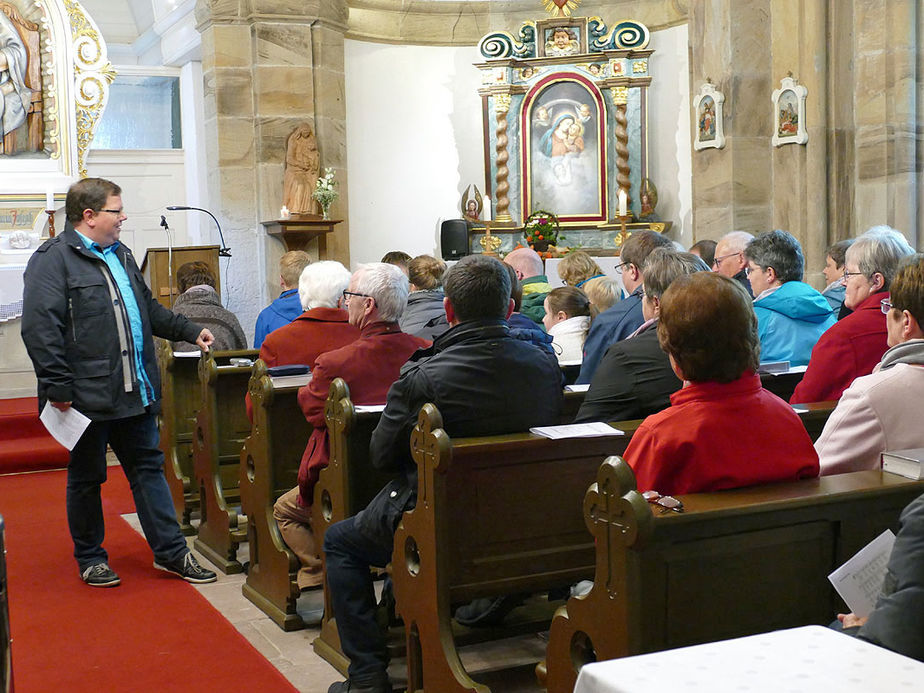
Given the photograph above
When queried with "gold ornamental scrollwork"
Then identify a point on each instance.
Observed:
(93, 73)
(620, 95)
(501, 103)
(640, 67)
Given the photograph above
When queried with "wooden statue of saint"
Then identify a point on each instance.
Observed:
(303, 162)
(21, 122)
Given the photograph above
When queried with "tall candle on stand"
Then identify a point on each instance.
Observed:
(486, 204)
(623, 201)
(49, 199)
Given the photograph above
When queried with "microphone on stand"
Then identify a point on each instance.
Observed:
(223, 251)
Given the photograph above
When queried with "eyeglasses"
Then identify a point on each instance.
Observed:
(112, 211)
(749, 270)
(620, 266)
(666, 502)
(718, 261)
(347, 294)
(886, 305)
(848, 275)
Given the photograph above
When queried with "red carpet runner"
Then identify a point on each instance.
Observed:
(24, 443)
(154, 632)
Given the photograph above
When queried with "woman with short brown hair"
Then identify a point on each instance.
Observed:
(722, 430)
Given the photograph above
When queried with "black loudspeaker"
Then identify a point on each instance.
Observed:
(454, 239)
(6, 659)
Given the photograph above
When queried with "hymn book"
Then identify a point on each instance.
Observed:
(907, 463)
(860, 579)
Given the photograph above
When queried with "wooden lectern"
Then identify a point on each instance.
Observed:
(156, 271)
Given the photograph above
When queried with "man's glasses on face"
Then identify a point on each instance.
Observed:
(117, 212)
(347, 294)
(620, 268)
(885, 305)
(718, 261)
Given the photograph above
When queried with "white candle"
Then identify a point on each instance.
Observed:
(623, 201)
(284, 212)
(486, 205)
(49, 199)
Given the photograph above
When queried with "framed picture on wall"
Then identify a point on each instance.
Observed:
(789, 113)
(563, 125)
(708, 109)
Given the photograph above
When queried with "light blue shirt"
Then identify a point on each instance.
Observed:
(108, 255)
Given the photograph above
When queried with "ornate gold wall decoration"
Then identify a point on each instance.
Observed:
(93, 73)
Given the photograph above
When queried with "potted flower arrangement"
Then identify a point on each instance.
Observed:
(541, 230)
(325, 192)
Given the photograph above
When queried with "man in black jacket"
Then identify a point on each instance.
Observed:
(88, 320)
(635, 378)
(484, 382)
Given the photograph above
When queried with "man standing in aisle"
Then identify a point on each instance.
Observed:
(88, 320)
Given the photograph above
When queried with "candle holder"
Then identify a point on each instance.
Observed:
(51, 222)
(489, 243)
(623, 233)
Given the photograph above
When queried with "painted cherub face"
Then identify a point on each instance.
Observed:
(574, 130)
(584, 111)
(561, 39)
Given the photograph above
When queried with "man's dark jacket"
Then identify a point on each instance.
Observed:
(71, 328)
(634, 379)
(483, 381)
(615, 323)
(897, 622)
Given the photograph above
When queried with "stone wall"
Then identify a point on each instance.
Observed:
(268, 66)
(862, 63)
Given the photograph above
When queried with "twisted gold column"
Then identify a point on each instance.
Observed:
(501, 107)
(621, 134)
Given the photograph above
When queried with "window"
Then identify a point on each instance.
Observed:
(143, 112)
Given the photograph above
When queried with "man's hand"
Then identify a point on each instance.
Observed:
(851, 620)
(205, 339)
(61, 406)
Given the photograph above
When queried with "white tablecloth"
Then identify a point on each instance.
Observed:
(11, 291)
(812, 659)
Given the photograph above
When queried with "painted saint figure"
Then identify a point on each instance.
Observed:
(16, 95)
(302, 165)
(562, 143)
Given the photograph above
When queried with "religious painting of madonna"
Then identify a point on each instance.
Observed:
(564, 157)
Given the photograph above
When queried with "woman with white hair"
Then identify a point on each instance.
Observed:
(321, 327)
(856, 343)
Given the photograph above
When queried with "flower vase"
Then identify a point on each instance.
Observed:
(325, 211)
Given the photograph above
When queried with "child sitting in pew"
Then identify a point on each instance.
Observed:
(722, 430)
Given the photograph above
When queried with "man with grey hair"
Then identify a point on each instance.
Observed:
(791, 315)
(375, 299)
(857, 342)
(484, 382)
(635, 378)
(729, 257)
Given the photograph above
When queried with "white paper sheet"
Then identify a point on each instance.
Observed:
(859, 580)
(583, 387)
(582, 430)
(65, 426)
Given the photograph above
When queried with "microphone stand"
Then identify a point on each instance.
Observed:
(223, 251)
(163, 223)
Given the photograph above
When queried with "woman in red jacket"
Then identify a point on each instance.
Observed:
(855, 344)
(722, 430)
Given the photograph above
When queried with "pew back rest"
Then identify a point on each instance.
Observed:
(279, 425)
(222, 423)
(505, 509)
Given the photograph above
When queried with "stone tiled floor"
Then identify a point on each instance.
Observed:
(506, 666)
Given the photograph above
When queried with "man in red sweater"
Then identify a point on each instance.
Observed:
(854, 345)
(375, 299)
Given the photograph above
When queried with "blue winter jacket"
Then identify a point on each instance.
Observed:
(790, 321)
(280, 312)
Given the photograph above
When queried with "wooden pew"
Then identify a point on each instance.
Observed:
(495, 515)
(269, 467)
(781, 384)
(221, 427)
(181, 395)
(344, 488)
(733, 563)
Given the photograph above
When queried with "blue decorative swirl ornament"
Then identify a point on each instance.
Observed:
(497, 45)
(630, 35)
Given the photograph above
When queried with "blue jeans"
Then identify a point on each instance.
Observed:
(350, 553)
(135, 442)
